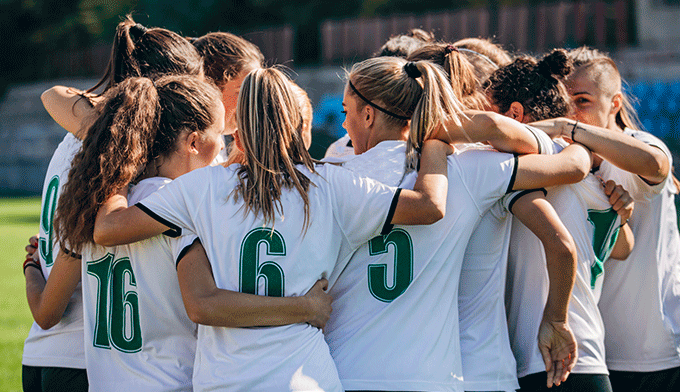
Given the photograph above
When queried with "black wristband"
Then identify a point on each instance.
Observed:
(624, 223)
(32, 264)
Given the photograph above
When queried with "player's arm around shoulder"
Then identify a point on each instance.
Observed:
(426, 203)
(70, 108)
(569, 166)
(118, 224)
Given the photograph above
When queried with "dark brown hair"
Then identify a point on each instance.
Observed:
(141, 51)
(137, 122)
(225, 55)
(459, 70)
(535, 84)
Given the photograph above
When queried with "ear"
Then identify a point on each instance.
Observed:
(368, 116)
(617, 103)
(516, 111)
(192, 141)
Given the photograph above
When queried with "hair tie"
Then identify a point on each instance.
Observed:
(412, 70)
(450, 48)
(138, 30)
(193, 40)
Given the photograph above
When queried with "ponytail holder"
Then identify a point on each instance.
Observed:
(193, 40)
(138, 30)
(412, 70)
(450, 48)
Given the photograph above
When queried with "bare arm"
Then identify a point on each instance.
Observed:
(116, 224)
(623, 204)
(48, 300)
(69, 108)
(556, 340)
(503, 133)
(623, 151)
(569, 166)
(208, 305)
(426, 203)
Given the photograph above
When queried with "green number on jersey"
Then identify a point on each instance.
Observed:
(403, 265)
(604, 237)
(117, 319)
(250, 268)
(46, 221)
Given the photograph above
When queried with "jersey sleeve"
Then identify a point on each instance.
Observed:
(545, 144)
(487, 175)
(176, 204)
(180, 246)
(638, 188)
(362, 207)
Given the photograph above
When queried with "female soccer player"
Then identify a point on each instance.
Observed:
(641, 355)
(530, 90)
(273, 226)
(54, 345)
(483, 326)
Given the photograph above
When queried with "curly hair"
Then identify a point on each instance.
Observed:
(537, 85)
(138, 121)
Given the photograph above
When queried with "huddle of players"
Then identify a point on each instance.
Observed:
(416, 308)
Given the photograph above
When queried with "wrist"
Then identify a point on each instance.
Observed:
(29, 263)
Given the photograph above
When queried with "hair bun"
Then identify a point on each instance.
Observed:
(555, 63)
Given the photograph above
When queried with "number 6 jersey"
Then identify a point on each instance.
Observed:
(283, 259)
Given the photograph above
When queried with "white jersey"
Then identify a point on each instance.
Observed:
(640, 301)
(340, 149)
(586, 213)
(396, 301)
(488, 361)
(137, 333)
(283, 259)
(61, 345)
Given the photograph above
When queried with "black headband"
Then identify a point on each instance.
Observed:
(374, 105)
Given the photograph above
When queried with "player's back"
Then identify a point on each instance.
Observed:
(283, 258)
(137, 333)
(396, 300)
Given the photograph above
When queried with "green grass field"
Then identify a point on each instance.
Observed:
(19, 219)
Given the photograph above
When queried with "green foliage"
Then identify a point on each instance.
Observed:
(18, 221)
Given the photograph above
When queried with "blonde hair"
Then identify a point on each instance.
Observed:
(460, 71)
(236, 155)
(607, 77)
(269, 122)
(426, 99)
(484, 55)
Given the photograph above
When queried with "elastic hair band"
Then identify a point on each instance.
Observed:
(138, 30)
(374, 105)
(488, 60)
(450, 48)
(412, 70)
(572, 131)
(193, 40)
